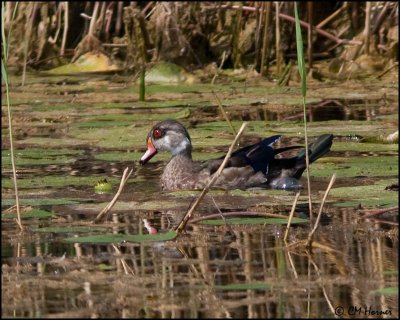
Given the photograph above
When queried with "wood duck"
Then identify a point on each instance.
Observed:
(251, 166)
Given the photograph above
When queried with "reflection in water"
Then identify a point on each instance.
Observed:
(325, 110)
(211, 271)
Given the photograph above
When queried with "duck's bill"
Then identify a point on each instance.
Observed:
(150, 153)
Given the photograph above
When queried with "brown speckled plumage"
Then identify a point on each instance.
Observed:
(252, 166)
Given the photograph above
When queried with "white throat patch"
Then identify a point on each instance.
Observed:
(179, 148)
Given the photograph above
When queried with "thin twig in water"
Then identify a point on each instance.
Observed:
(315, 244)
(127, 268)
(310, 235)
(224, 113)
(222, 216)
(181, 226)
(390, 223)
(373, 212)
(220, 67)
(292, 265)
(307, 159)
(238, 214)
(291, 216)
(124, 179)
(322, 286)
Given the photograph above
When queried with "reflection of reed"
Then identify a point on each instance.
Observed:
(188, 277)
(274, 109)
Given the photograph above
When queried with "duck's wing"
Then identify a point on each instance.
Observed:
(318, 148)
(295, 166)
(258, 156)
(256, 164)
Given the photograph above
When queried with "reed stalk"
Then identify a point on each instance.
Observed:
(264, 57)
(303, 76)
(124, 179)
(236, 55)
(316, 224)
(66, 24)
(257, 35)
(309, 34)
(224, 113)
(277, 39)
(30, 18)
(219, 68)
(367, 28)
(4, 75)
(142, 84)
(93, 20)
(291, 216)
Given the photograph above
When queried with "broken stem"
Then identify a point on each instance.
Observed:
(124, 179)
(310, 235)
(188, 214)
(291, 216)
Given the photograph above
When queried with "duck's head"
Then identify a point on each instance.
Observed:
(168, 135)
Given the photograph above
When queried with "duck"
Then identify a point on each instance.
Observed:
(259, 165)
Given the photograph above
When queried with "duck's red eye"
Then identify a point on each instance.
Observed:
(157, 133)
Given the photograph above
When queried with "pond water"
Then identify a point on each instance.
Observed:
(71, 132)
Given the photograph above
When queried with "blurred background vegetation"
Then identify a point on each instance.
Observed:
(193, 35)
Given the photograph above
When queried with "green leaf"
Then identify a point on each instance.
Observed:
(387, 291)
(300, 53)
(142, 87)
(38, 214)
(390, 272)
(368, 195)
(41, 202)
(55, 182)
(67, 229)
(3, 40)
(112, 238)
(4, 71)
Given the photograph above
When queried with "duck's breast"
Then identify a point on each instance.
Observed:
(181, 173)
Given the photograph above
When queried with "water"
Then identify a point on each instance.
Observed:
(228, 270)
